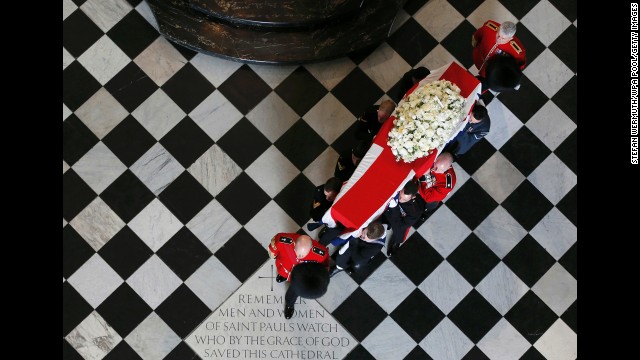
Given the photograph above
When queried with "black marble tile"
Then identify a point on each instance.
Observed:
(570, 316)
(186, 52)
(473, 259)
(74, 308)
(78, 85)
(473, 159)
(125, 252)
(186, 142)
(184, 253)
(243, 143)
(471, 204)
(188, 88)
(301, 144)
(242, 255)
(124, 310)
(185, 197)
(567, 151)
(359, 314)
(76, 195)
(564, 46)
(68, 352)
(525, 151)
(129, 140)
(79, 2)
(567, 98)
(475, 354)
(466, 7)
(518, 8)
(134, 3)
(416, 250)
(183, 311)
(412, 42)
(357, 92)
(301, 90)
(358, 56)
(458, 43)
(535, 207)
(133, 34)
(365, 270)
(411, 6)
(568, 8)
(533, 354)
(79, 33)
(524, 110)
(417, 354)
(474, 316)
(347, 140)
(131, 86)
(243, 198)
(244, 89)
(77, 139)
(296, 198)
(182, 352)
(75, 251)
(568, 205)
(359, 353)
(417, 315)
(122, 351)
(532, 45)
(531, 317)
(529, 260)
(127, 196)
(570, 260)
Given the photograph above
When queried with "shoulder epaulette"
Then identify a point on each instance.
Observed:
(515, 46)
(286, 240)
(449, 181)
(493, 26)
(318, 251)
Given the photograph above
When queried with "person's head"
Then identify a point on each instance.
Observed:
(310, 280)
(373, 231)
(478, 114)
(419, 74)
(505, 32)
(358, 151)
(385, 109)
(302, 246)
(442, 163)
(332, 188)
(408, 192)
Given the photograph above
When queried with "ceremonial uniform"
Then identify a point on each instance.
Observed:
(359, 251)
(367, 124)
(345, 166)
(282, 250)
(467, 137)
(401, 217)
(486, 47)
(320, 204)
(434, 187)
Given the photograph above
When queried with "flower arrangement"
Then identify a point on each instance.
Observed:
(425, 119)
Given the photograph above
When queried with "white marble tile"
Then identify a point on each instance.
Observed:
(153, 339)
(545, 22)
(503, 124)
(158, 114)
(401, 17)
(105, 14)
(269, 221)
(65, 112)
(155, 225)
(502, 288)
(103, 59)
(160, 61)
(555, 233)
(388, 341)
(436, 58)
(99, 167)
(557, 288)
(445, 287)
(442, 25)
(388, 286)
(500, 232)
(559, 342)
(272, 116)
(95, 280)
(340, 288)
(65, 167)
(93, 338)
(330, 73)
(384, 66)
(214, 69)
(444, 231)
(498, 177)
(157, 168)
(548, 73)
(461, 178)
(212, 283)
(551, 125)
(215, 115)
(68, 6)
(154, 281)
(490, 10)
(213, 225)
(67, 58)
(272, 182)
(214, 169)
(553, 178)
(97, 223)
(321, 169)
(64, 222)
(273, 75)
(329, 118)
(101, 113)
(446, 342)
(144, 10)
(503, 341)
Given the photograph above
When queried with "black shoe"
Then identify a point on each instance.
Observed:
(288, 311)
(392, 249)
(335, 271)
(280, 279)
(313, 226)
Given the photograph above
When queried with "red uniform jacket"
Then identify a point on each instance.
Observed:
(486, 37)
(285, 256)
(437, 186)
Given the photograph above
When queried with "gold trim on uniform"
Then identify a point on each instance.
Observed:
(515, 46)
(493, 26)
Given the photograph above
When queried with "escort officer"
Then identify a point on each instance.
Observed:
(291, 249)
(477, 127)
(494, 39)
(370, 122)
(436, 184)
(349, 160)
(403, 211)
(323, 197)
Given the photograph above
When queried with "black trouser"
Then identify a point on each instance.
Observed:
(330, 234)
(290, 296)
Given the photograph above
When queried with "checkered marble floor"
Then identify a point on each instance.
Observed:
(178, 168)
